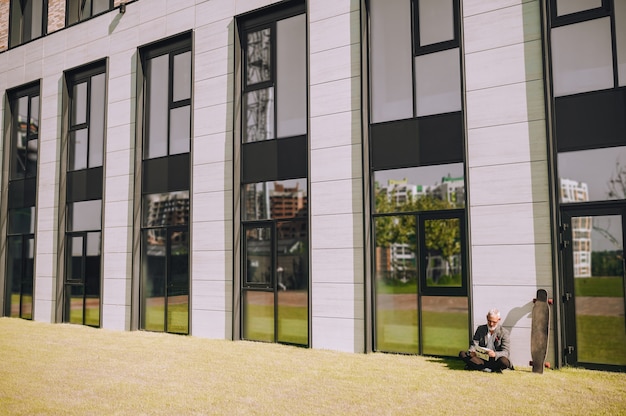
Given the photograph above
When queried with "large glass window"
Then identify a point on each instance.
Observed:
(165, 203)
(28, 20)
(78, 10)
(274, 186)
(86, 88)
(417, 173)
(23, 148)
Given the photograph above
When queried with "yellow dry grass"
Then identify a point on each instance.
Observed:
(60, 369)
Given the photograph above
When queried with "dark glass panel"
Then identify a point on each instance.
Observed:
(15, 271)
(180, 130)
(178, 284)
(258, 110)
(443, 249)
(258, 54)
(166, 209)
(592, 175)
(74, 304)
(154, 266)
(35, 24)
(22, 220)
(260, 161)
(293, 281)
(16, 23)
(78, 147)
(591, 120)
(395, 273)
(157, 111)
(424, 188)
(85, 184)
(445, 325)
(258, 315)
(166, 174)
(96, 120)
(292, 157)
(258, 256)
(22, 193)
(182, 76)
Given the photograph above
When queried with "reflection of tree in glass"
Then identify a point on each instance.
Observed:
(617, 182)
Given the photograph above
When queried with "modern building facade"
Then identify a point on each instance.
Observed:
(352, 175)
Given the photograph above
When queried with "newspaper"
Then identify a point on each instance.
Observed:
(482, 352)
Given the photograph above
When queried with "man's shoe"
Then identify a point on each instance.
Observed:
(487, 370)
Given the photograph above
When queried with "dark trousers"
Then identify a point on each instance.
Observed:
(476, 363)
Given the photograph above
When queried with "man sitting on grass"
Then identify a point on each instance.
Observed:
(489, 350)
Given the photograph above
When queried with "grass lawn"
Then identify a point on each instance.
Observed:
(54, 369)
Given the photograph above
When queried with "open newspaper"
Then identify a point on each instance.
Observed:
(482, 352)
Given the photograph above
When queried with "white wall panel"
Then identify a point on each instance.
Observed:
(511, 224)
(514, 183)
(334, 130)
(338, 334)
(116, 317)
(512, 265)
(213, 235)
(337, 197)
(337, 265)
(336, 231)
(333, 163)
(211, 324)
(212, 148)
(212, 206)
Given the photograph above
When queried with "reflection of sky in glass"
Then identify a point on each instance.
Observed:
(606, 233)
(423, 175)
(595, 168)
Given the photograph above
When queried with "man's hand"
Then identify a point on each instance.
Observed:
(492, 353)
(472, 354)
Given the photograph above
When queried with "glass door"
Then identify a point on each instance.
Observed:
(594, 297)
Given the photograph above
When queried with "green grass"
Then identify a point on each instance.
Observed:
(61, 369)
(599, 286)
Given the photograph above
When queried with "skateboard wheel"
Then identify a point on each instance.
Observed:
(534, 300)
(547, 364)
(550, 301)
(530, 363)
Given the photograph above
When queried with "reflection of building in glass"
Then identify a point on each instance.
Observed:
(398, 261)
(574, 191)
(287, 202)
(256, 204)
(167, 210)
(400, 192)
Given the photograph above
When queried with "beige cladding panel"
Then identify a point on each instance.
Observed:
(4, 24)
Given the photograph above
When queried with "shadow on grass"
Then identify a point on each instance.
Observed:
(450, 362)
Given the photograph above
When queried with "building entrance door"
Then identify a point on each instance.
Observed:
(593, 289)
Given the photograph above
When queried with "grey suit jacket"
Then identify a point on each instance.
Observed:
(501, 341)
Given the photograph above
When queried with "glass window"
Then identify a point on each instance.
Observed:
(25, 134)
(444, 324)
(258, 256)
(582, 57)
(436, 21)
(84, 215)
(291, 84)
(87, 88)
(78, 10)
(259, 115)
(166, 209)
(28, 20)
(564, 7)
(390, 60)
(592, 175)
(284, 199)
(443, 252)
(22, 220)
(438, 83)
(620, 39)
(168, 110)
(423, 188)
(395, 273)
(258, 56)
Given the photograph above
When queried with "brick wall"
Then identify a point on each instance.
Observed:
(56, 15)
(4, 24)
